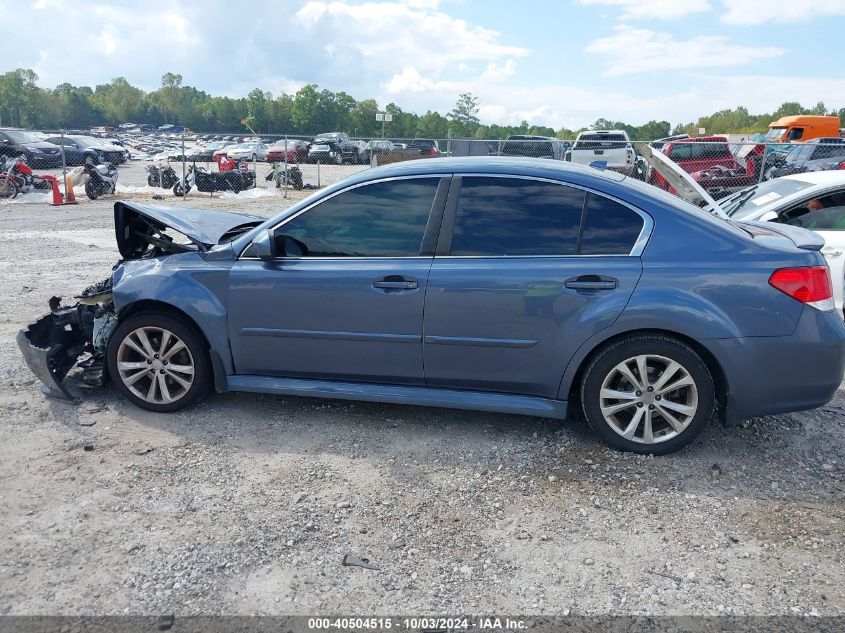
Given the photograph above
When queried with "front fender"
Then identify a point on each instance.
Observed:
(188, 283)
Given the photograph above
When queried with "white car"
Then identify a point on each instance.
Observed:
(249, 151)
(612, 148)
(812, 200)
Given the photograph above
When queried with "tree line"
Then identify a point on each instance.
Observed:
(310, 111)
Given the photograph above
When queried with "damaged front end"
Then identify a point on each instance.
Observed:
(52, 345)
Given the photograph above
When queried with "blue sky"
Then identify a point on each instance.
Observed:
(560, 63)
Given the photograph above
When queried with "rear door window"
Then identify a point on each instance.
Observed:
(498, 217)
(516, 217)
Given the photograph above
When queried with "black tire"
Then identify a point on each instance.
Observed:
(193, 342)
(178, 190)
(91, 190)
(9, 188)
(613, 355)
(296, 181)
(152, 182)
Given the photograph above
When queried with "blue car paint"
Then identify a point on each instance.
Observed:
(711, 287)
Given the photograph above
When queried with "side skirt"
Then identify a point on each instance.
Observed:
(422, 396)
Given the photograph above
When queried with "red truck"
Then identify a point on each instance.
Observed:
(697, 154)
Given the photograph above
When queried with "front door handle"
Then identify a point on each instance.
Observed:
(395, 282)
(591, 282)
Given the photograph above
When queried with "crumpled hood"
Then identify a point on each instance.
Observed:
(203, 227)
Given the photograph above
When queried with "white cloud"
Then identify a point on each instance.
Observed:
(629, 51)
(495, 72)
(757, 12)
(652, 9)
(391, 35)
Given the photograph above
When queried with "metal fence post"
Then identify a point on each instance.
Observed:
(64, 162)
(286, 167)
(763, 163)
(318, 173)
(184, 184)
(449, 142)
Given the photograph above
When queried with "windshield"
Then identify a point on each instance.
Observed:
(775, 133)
(742, 205)
(19, 136)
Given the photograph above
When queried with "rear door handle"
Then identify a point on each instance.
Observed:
(590, 282)
(395, 282)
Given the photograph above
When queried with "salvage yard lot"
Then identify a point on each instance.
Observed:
(249, 503)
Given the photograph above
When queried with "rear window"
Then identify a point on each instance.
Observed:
(698, 151)
(600, 141)
(535, 148)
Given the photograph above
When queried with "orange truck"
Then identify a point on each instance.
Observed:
(803, 127)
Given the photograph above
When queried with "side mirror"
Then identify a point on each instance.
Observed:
(262, 245)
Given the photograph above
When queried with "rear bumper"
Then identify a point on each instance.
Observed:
(779, 374)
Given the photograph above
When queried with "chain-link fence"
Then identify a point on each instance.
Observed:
(720, 164)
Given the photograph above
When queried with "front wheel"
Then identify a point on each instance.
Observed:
(158, 362)
(648, 394)
(92, 190)
(8, 188)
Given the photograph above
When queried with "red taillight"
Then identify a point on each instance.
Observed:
(842, 165)
(809, 284)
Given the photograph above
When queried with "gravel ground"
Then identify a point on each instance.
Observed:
(247, 504)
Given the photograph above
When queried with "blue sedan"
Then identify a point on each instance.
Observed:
(502, 284)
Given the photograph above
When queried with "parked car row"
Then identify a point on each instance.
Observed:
(42, 151)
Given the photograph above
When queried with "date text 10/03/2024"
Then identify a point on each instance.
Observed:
(492, 623)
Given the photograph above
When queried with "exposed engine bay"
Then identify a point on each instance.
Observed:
(54, 343)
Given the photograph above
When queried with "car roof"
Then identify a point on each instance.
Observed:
(828, 177)
(504, 165)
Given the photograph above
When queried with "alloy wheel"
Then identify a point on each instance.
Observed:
(155, 365)
(648, 399)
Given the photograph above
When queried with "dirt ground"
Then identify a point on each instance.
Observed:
(247, 504)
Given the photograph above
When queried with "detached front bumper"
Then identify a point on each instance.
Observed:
(50, 350)
(51, 346)
(49, 363)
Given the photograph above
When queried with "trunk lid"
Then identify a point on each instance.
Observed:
(683, 183)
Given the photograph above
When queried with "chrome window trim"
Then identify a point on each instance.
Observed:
(316, 203)
(636, 250)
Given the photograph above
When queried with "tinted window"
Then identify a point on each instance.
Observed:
(514, 216)
(385, 219)
(609, 228)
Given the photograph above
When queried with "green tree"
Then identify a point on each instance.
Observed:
(464, 115)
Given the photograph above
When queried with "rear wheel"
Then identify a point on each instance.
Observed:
(92, 190)
(158, 362)
(648, 394)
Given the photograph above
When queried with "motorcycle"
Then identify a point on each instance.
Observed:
(292, 175)
(164, 176)
(9, 187)
(208, 182)
(102, 179)
(27, 181)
